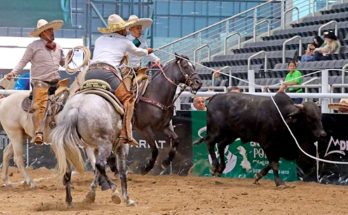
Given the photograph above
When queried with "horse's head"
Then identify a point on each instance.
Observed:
(189, 75)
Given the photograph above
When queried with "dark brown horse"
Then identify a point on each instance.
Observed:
(155, 108)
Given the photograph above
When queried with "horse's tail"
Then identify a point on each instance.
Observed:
(65, 140)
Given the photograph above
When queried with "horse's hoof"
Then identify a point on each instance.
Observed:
(256, 183)
(131, 202)
(90, 197)
(165, 164)
(7, 185)
(282, 186)
(69, 205)
(116, 198)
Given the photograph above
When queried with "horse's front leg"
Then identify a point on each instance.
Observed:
(149, 135)
(7, 154)
(169, 131)
(17, 141)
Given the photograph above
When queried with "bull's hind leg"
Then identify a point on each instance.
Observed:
(275, 167)
(221, 149)
(175, 142)
(262, 173)
(121, 153)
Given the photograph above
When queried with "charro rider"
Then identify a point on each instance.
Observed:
(109, 51)
(45, 56)
(135, 35)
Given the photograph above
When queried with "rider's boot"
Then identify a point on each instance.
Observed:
(128, 101)
(40, 98)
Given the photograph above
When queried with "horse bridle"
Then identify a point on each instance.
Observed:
(188, 78)
(188, 82)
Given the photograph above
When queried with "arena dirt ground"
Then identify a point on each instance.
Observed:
(174, 195)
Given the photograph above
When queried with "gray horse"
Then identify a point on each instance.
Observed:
(155, 108)
(89, 121)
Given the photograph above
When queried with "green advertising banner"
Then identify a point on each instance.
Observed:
(242, 160)
(21, 13)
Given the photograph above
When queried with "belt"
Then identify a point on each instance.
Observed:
(103, 66)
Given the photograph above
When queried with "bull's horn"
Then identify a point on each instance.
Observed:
(299, 106)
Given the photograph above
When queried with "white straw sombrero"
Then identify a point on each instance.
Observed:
(341, 106)
(115, 23)
(43, 25)
(144, 22)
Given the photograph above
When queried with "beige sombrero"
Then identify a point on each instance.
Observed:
(115, 23)
(144, 22)
(341, 106)
(43, 25)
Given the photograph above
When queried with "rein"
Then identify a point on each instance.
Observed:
(182, 89)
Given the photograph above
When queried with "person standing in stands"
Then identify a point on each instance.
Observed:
(330, 46)
(294, 77)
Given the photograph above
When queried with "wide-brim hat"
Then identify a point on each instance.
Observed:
(330, 35)
(42, 25)
(144, 22)
(115, 23)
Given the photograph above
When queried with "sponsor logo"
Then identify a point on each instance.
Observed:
(160, 144)
(336, 146)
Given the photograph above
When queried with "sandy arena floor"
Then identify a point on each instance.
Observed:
(174, 195)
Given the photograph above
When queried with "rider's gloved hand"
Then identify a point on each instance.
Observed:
(10, 75)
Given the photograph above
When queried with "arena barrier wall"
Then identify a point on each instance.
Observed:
(243, 160)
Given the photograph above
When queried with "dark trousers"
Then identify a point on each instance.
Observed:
(297, 100)
(319, 56)
(104, 75)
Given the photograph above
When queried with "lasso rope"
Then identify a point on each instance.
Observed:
(275, 104)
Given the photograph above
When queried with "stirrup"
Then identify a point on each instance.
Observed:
(38, 139)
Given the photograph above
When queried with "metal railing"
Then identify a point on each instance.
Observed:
(218, 35)
(326, 24)
(200, 48)
(290, 10)
(259, 23)
(289, 40)
(215, 35)
(229, 36)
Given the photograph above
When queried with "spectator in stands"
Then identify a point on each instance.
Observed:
(331, 46)
(199, 104)
(294, 77)
(309, 54)
(234, 89)
(217, 78)
(318, 41)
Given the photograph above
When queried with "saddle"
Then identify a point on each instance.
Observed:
(101, 88)
(56, 101)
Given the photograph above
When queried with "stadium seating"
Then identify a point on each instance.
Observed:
(307, 28)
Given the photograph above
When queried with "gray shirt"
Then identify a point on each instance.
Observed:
(44, 62)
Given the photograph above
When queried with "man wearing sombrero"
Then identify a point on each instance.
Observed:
(45, 57)
(135, 33)
(109, 51)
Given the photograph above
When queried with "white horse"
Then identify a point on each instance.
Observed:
(18, 126)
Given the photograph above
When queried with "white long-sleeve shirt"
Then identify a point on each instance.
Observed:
(110, 49)
(134, 60)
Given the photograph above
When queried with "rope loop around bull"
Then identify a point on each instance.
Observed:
(69, 59)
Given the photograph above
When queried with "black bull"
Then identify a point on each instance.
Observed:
(255, 118)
